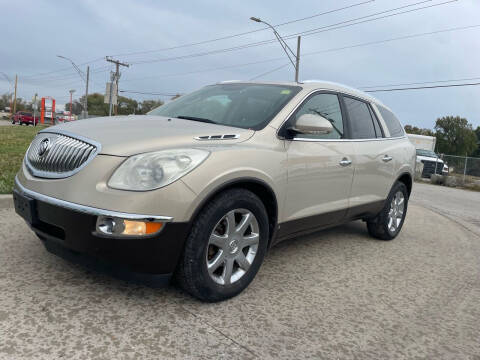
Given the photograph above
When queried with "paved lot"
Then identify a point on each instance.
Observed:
(335, 294)
(461, 205)
(5, 122)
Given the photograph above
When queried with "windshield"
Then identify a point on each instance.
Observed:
(248, 106)
(423, 152)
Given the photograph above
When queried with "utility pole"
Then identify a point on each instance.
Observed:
(297, 59)
(289, 52)
(15, 97)
(85, 106)
(116, 77)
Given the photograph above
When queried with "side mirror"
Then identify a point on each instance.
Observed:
(312, 125)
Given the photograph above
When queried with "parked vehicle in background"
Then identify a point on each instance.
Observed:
(432, 164)
(24, 118)
(203, 186)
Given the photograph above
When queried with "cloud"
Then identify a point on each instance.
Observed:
(88, 30)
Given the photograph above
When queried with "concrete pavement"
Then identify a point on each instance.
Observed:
(334, 294)
(461, 205)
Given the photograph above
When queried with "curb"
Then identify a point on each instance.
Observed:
(6, 201)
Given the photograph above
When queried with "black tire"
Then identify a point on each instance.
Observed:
(378, 227)
(192, 274)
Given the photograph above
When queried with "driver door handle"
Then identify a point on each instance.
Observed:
(387, 158)
(345, 162)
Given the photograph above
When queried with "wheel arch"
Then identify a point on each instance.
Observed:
(406, 178)
(255, 185)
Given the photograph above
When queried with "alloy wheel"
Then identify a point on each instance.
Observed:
(395, 215)
(232, 246)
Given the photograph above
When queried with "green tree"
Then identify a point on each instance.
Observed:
(96, 106)
(77, 106)
(127, 106)
(147, 105)
(477, 152)
(455, 136)
(409, 129)
(5, 100)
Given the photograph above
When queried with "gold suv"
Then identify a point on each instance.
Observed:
(203, 186)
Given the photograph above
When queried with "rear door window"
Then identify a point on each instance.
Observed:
(360, 118)
(393, 124)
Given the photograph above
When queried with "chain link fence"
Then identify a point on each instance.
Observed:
(466, 170)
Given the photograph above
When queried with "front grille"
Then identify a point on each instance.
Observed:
(431, 167)
(57, 155)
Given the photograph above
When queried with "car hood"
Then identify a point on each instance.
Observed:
(134, 134)
(428, 158)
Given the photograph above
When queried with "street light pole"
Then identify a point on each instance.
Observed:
(290, 54)
(85, 80)
(71, 93)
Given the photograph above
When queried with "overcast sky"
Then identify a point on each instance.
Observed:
(88, 30)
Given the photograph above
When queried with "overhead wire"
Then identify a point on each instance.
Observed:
(325, 28)
(202, 42)
(423, 87)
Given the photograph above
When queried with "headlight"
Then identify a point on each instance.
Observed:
(154, 170)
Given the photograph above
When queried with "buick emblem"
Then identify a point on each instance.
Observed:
(44, 146)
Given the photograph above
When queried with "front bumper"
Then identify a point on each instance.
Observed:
(68, 230)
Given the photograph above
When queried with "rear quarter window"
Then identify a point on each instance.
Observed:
(393, 124)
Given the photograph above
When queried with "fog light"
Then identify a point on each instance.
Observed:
(123, 227)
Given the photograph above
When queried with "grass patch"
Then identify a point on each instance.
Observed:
(14, 141)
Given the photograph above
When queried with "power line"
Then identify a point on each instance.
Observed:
(386, 41)
(62, 77)
(419, 83)
(202, 42)
(315, 53)
(368, 91)
(205, 41)
(305, 33)
(424, 87)
(326, 28)
(146, 93)
(393, 39)
(62, 69)
(337, 25)
(269, 72)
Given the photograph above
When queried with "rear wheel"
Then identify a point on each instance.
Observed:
(388, 223)
(226, 246)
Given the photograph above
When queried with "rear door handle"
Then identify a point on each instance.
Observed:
(387, 158)
(345, 162)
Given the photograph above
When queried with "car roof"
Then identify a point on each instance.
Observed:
(318, 85)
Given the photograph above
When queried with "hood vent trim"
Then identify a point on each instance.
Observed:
(217, 137)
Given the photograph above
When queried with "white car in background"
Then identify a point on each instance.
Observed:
(432, 164)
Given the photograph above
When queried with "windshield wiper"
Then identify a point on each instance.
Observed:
(195, 119)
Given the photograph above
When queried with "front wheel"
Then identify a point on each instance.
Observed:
(388, 223)
(226, 246)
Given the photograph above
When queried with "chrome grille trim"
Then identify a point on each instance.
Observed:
(67, 154)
